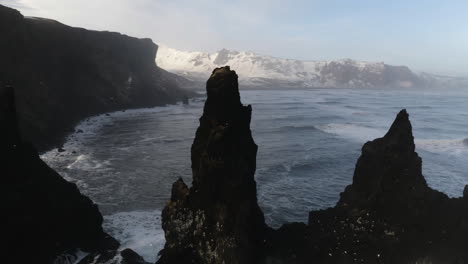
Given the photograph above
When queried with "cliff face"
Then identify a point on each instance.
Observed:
(63, 74)
(43, 215)
(218, 219)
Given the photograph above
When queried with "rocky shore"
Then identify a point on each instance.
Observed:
(387, 215)
(62, 74)
(45, 218)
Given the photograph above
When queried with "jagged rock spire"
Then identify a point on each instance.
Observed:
(400, 134)
(218, 219)
(388, 170)
(223, 98)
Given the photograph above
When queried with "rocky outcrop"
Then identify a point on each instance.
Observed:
(63, 74)
(387, 215)
(217, 220)
(44, 217)
(44, 214)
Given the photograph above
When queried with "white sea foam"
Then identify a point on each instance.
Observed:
(71, 257)
(138, 230)
(88, 154)
(89, 127)
(362, 134)
(448, 146)
(85, 162)
(352, 131)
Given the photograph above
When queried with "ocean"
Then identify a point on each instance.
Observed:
(309, 141)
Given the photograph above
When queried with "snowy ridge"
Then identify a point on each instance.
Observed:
(256, 70)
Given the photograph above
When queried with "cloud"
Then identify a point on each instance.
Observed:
(17, 4)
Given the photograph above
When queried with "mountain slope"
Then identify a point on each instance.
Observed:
(266, 71)
(63, 74)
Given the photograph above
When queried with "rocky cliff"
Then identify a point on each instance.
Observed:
(45, 218)
(218, 219)
(63, 74)
(387, 215)
(44, 214)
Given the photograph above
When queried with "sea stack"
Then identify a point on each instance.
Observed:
(388, 214)
(218, 219)
(388, 175)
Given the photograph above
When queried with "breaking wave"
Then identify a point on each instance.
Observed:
(138, 230)
(308, 146)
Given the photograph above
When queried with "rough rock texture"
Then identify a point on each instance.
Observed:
(43, 215)
(45, 218)
(387, 215)
(63, 74)
(218, 219)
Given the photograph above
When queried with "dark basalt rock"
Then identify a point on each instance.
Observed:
(387, 215)
(218, 219)
(64, 74)
(44, 217)
(131, 257)
(43, 214)
(388, 174)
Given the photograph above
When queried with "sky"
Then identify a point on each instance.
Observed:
(425, 35)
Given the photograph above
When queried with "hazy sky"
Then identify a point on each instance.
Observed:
(425, 35)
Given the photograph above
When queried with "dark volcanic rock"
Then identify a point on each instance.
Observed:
(218, 219)
(387, 215)
(131, 257)
(388, 174)
(43, 214)
(63, 74)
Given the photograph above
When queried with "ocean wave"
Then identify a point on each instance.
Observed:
(297, 127)
(423, 107)
(361, 113)
(356, 107)
(86, 163)
(161, 139)
(363, 133)
(330, 103)
(137, 230)
(448, 146)
(357, 132)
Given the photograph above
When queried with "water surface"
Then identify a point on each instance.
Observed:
(309, 141)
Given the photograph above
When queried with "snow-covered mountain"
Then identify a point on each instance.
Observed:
(256, 70)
